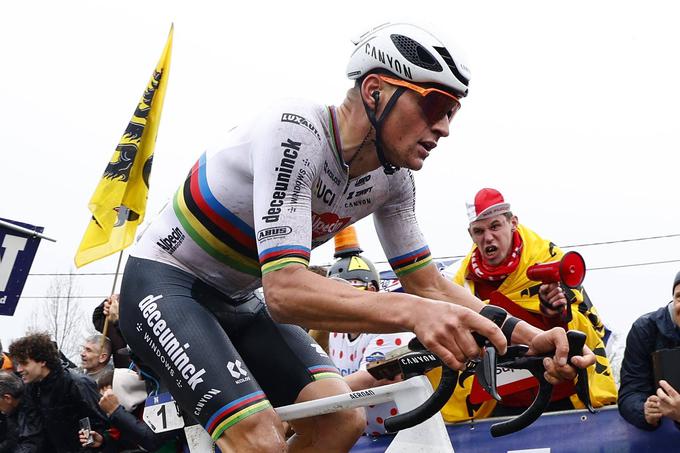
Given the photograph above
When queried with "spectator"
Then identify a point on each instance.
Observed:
(109, 307)
(62, 396)
(503, 249)
(123, 393)
(24, 428)
(95, 356)
(641, 402)
(351, 352)
(5, 361)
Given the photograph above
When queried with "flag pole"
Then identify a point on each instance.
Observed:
(105, 329)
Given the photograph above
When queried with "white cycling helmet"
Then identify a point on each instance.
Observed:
(410, 53)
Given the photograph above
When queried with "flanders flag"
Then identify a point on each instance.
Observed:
(119, 201)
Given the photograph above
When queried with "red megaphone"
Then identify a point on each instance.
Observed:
(570, 271)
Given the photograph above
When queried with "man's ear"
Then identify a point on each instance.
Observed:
(514, 221)
(370, 90)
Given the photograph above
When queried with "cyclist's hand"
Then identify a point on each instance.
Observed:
(556, 367)
(446, 330)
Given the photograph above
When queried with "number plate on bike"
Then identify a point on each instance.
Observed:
(161, 413)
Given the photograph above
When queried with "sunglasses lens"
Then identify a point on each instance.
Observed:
(438, 105)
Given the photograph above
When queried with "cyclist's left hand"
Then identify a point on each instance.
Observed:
(556, 367)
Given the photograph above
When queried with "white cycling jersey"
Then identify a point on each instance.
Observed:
(278, 188)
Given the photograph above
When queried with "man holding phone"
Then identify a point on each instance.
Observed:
(62, 397)
(642, 402)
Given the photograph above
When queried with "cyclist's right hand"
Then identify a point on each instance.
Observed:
(446, 330)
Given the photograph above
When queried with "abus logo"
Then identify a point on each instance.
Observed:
(236, 371)
(273, 232)
(327, 223)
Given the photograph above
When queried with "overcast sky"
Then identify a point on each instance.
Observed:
(572, 113)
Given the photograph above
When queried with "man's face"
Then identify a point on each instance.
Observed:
(90, 357)
(32, 371)
(6, 406)
(407, 135)
(360, 284)
(676, 303)
(493, 237)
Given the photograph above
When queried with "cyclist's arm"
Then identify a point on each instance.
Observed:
(296, 295)
(428, 282)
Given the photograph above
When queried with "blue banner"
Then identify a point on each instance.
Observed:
(17, 250)
(575, 431)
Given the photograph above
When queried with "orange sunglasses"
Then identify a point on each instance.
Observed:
(435, 103)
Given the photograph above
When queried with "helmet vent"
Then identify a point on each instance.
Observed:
(415, 53)
(451, 64)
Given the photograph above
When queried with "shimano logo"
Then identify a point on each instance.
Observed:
(273, 232)
(283, 174)
(302, 121)
(395, 65)
(239, 374)
(361, 394)
(172, 241)
(175, 352)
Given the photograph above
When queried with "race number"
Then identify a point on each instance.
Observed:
(161, 413)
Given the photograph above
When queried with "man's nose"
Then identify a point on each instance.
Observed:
(441, 127)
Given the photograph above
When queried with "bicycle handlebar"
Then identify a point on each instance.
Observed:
(430, 407)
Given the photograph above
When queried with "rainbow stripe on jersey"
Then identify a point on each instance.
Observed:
(412, 261)
(319, 372)
(277, 257)
(219, 232)
(236, 411)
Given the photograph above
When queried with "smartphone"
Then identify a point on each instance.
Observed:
(85, 426)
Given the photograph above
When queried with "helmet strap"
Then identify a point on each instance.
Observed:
(377, 125)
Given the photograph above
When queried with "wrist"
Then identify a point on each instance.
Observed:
(508, 328)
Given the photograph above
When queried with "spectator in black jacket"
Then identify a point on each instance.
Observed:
(641, 403)
(61, 396)
(24, 428)
(123, 396)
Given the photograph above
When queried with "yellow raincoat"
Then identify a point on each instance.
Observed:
(524, 292)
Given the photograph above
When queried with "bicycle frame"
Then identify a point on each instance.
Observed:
(429, 436)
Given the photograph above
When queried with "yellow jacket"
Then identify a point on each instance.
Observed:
(524, 292)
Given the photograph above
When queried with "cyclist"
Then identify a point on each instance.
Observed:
(248, 215)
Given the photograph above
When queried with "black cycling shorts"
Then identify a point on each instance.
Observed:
(221, 360)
